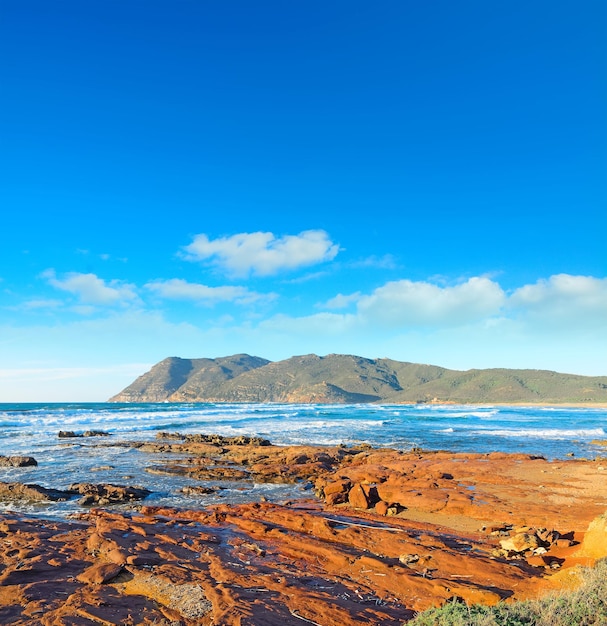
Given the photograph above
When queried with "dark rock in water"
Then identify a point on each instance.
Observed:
(95, 433)
(17, 461)
(67, 434)
(197, 490)
(216, 440)
(212, 472)
(107, 494)
(31, 493)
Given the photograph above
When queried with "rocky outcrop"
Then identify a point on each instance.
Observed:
(31, 493)
(102, 495)
(69, 434)
(387, 534)
(17, 461)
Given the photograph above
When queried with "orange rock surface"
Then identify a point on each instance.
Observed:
(388, 534)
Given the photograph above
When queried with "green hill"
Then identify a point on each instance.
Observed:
(343, 379)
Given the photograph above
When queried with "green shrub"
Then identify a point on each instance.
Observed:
(584, 606)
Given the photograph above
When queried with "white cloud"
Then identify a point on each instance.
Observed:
(90, 289)
(386, 262)
(340, 301)
(263, 253)
(178, 289)
(41, 304)
(564, 299)
(406, 303)
(311, 326)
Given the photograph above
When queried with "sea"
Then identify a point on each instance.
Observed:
(554, 432)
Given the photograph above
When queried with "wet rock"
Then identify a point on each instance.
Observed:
(104, 494)
(216, 440)
(31, 493)
(262, 563)
(212, 472)
(17, 461)
(68, 434)
(197, 490)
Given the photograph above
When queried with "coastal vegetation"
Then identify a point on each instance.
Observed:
(345, 379)
(583, 606)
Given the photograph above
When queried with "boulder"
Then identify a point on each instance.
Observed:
(107, 494)
(17, 461)
(381, 508)
(336, 492)
(520, 542)
(31, 493)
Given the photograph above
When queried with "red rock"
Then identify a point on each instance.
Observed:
(358, 498)
(266, 563)
(520, 542)
(381, 508)
(99, 573)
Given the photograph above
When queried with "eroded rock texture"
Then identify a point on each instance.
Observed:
(388, 534)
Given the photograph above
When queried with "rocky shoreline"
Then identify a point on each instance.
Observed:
(383, 534)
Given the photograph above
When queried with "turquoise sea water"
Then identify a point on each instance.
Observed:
(31, 429)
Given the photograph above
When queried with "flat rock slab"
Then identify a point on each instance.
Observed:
(99, 573)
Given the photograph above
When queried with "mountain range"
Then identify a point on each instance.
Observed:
(346, 379)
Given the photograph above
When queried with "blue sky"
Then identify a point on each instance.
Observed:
(424, 181)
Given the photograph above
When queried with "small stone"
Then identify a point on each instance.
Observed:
(394, 509)
(408, 559)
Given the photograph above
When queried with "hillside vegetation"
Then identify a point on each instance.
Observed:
(344, 379)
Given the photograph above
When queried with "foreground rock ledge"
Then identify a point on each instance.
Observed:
(476, 527)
